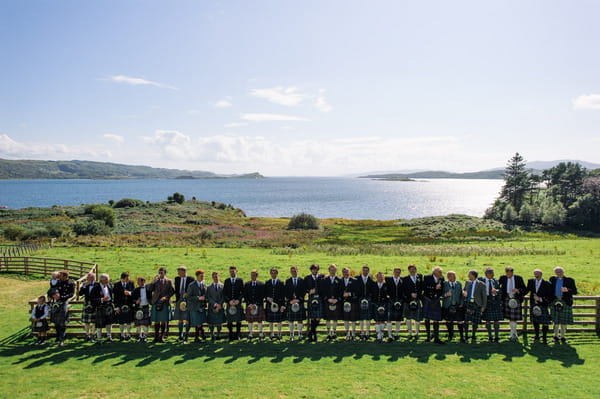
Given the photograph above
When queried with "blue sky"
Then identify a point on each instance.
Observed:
(300, 88)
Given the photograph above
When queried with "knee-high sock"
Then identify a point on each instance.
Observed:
(513, 328)
(368, 328)
(545, 331)
(87, 328)
(187, 328)
(474, 330)
(109, 331)
(347, 327)
(122, 329)
(461, 330)
(98, 333)
(128, 328)
(556, 329)
(436, 330)
(138, 330)
(260, 327)
(156, 330)
(450, 328)
(563, 330)
(291, 329)
(417, 327)
(398, 327)
(250, 327)
(279, 328)
(428, 328)
(496, 330)
(389, 329)
(328, 324)
(271, 329)
(409, 326)
(300, 327)
(238, 329)
(180, 328)
(334, 326)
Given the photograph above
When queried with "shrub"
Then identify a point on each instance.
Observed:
(128, 203)
(91, 227)
(54, 230)
(303, 221)
(13, 232)
(206, 235)
(176, 197)
(104, 214)
(509, 215)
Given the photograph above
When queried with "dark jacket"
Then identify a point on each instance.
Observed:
(329, 290)
(254, 295)
(120, 298)
(519, 284)
(136, 294)
(297, 292)
(310, 282)
(430, 290)
(275, 291)
(233, 291)
(394, 291)
(90, 295)
(352, 289)
(544, 292)
(569, 283)
(379, 295)
(188, 280)
(409, 288)
(66, 289)
(364, 290)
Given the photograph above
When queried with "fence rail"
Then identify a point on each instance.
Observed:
(21, 249)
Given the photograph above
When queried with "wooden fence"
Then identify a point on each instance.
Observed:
(21, 249)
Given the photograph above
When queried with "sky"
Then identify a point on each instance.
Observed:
(300, 88)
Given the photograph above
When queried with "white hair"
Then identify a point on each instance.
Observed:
(558, 268)
(104, 276)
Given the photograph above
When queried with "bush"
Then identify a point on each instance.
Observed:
(509, 215)
(303, 221)
(13, 232)
(105, 214)
(35, 234)
(54, 230)
(91, 227)
(206, 235)
(128, 203)
(176, 197)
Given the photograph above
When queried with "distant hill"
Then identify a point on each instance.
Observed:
(28, 169)
(541, 165)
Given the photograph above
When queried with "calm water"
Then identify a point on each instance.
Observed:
(323, 197)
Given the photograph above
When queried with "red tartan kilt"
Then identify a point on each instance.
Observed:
(260, 316)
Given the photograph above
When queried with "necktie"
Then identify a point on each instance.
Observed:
(489, 287)
(182, 286)
(294, 282)
(254, 283)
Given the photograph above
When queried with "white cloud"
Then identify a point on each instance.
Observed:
(587, 101)
(139, 81)
(288, 96)
(114, 138)
(223, 103)
(253, 117)
(236, 124)
(13, 149)
(321, 104)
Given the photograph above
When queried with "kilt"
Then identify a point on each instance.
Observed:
(393, 314)
(274, 317)
(258, 317)
(42, 328)
(144, 321)
(459, 315)
(162, 316)
(178, 314)
(493, 309)
(353, 314)
(512, 314)
(544, 318)
(59, 315)
(565, 316)
(105, 315)
(315, 312)
(237, 317)
(124, 317)
(333, 314)
(216, 318)
(364, 314)
(416, 314)
(88, 317)
(473, 313)
(376, 315)
(300, 315)
(197, 318)
(432, 309)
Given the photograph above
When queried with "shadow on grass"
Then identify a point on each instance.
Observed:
(140, 355)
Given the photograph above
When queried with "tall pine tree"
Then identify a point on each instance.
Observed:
(516, 182)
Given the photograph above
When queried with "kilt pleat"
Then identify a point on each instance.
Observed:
(274, 317)
(178, 314)
(459, 315)
(144, 321)
(564, 316)
(364, 314)
(315, 312)
(493, 309)
(377, 316)
(544, 318)
(300, 315)
(473, 313)
(198, 318)
(237, 317)
(162, 316)
(515, 314)
(216, 318)
(432, 309)
(88, 317)
(416, 314)
(333, 314)
(258, 317)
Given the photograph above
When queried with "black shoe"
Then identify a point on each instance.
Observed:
(463, 341)
(555, 339)
(563, 340)
(438, 341)
(496, 340)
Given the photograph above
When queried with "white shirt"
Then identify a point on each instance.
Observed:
(414, 278)
(396, 280)
(104, 290)
(45, 311)
(182, 283)
(510, 284)
(332, 278)
(379, 285)
(537, 284)
(364, 278)
(346, 281)
(473, 283)
(143, 297)
(488, 283)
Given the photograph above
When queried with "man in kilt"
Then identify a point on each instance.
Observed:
(475, 303)
(350, 303)
(105, 312)
(181, 313)
(295, 291)
(65, 286)
(432, 303)
(216, 313)
(124, 305)
(413, 286)
(315, 305)
(563, 289)
(331, 289)
(141, 305)
(90, 291)
(513, 290)
(254, 296)
(196, 298)
(379, 305)
(394, 288)
(275, 302)
(453, 309)
(540, 297)
(233, 292)
(59, 315)
(162, 290)
(493, 310)
(365, 284)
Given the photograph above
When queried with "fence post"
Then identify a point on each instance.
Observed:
(598, 315)
(26, 262)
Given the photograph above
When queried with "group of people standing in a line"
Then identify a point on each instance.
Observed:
(357, 301)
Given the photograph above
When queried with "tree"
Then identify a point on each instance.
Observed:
(528, 214)
(510, 215)
(516, 181)
(303, 221)
(13, 232)
(553, 213)
(565, 182)
(177, 197)
(105, 214)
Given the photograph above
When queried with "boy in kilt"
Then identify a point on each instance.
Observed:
(315, 306)
(453, 309)
(39, 320)
(379, 305)
(475, 303)
(233, 292)
(365, 286)
(413, 287)
(90, 291)
(162, 290)
(141, 304)
(350, 303)
(540, 297)
(493, 310)
(394, 287)
(181, 313)
(513, 290)
(275, 301)
(59, 315)
(105, 313)
(254, 296)
(295, 291)
(432, 303)
(216, 313)
(196, 297)
(124, 305)
(563, 289)
(331, 289)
